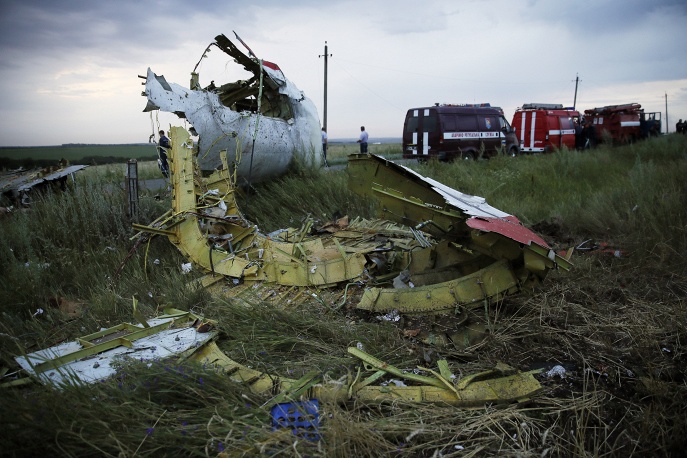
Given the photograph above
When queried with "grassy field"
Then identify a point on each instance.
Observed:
(616, 322)
(86, 154)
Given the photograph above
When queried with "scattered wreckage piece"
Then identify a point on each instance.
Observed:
(15, 186)
(265, 118)
(455, 250)
(183, 335)
(94, 357)
(486, 253)
(502, 385)
(207, 226)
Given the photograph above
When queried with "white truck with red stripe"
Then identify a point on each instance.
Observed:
(544, 127)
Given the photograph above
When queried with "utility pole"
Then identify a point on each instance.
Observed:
(667, 124)
(577, 80)
(326, 56)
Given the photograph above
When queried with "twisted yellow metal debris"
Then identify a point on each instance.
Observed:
(183, 335)
(502, 385)
(454, 250)
(208, 228)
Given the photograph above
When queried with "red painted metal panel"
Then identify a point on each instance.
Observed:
(510, 227)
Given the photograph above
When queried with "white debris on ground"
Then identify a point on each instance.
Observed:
(391, 316)
(93, 368)
(556, 370)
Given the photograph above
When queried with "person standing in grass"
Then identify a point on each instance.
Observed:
(589, 135)
(324, 146)
(579, 135)
(363, 140)
(162, 148)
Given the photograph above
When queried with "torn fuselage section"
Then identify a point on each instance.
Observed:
(264, 122)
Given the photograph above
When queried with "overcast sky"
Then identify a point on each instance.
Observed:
(68, 71)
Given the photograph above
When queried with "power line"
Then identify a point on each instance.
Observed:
(370, 90)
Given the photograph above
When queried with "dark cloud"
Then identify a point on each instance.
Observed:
(46, 28)
(603, 17)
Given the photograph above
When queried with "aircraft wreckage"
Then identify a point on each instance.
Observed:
(16, 186)
(265, 119)
(440, 249)
(437, 249)
(434, 251)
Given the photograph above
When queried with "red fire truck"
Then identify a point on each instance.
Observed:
(544, 127)
(623, 123)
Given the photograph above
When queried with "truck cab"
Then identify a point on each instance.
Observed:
(544, 127)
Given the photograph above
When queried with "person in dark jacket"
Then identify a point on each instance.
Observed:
(590, 135)
(579, 135)
(162, 147)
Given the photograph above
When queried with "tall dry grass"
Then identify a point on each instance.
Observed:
(615, 324)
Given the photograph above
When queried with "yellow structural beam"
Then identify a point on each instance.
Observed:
(503, 385)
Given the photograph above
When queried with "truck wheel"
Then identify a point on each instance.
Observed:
(468, 156)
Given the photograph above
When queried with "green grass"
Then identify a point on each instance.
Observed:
(48, 156)
(616, 324)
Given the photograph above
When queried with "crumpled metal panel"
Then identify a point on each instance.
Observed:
(183, 335)
(508, 226)
(450, 258)
(468, 221)
(92, 358)
(17, 183)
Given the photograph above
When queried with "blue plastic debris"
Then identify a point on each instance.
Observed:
(301, 416)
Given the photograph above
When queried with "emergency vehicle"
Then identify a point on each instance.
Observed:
(623, 123)
(447, 132)
(544, 127)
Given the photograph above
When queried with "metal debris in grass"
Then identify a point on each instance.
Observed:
(455, 250)
(183, 335)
